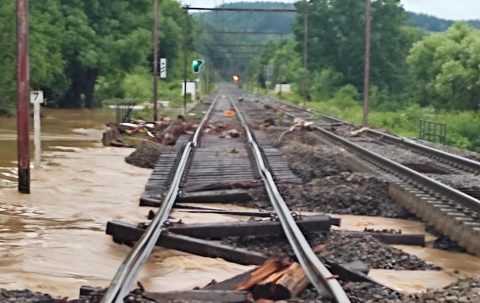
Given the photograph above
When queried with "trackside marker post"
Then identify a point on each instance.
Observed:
(36, 97)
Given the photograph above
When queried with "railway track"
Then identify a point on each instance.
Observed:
(423, 188)
(202, 162)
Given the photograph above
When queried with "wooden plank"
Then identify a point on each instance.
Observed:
(227, 195)
(128, 234)
(257, 228)
(394, 239)
(198, 296)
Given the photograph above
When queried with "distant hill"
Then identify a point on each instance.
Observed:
(281, 22)
(434, 24)
(252, 21)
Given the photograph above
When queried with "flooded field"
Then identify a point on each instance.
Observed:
(60, 127)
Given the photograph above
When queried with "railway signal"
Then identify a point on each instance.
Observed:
(196, 64)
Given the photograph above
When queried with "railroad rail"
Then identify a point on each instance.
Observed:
(454, 211)
(129, 269)
(185, 171)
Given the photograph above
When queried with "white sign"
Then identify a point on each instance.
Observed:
(282, 88)
(163, 68)
(36, 96)
(191, 89)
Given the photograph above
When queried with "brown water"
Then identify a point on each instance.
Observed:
(53, 239)
(60, 127)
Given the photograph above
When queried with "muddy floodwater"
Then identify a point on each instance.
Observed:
(54, 241)
(60, 127)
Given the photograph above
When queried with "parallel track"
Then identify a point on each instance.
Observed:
(455, 212)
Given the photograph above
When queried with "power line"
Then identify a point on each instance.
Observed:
(242, 33)
(236, 45)
(232, 9)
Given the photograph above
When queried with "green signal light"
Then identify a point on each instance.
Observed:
(196, 64)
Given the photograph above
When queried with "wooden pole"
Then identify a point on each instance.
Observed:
(305, 58)
(155, 59)
(23, 95)
(185, 61)
(367, 61)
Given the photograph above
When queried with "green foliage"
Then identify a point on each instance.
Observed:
(462, 126)
(336, 40)
(252, 21)
(7, 57)
(324, 83)
(77, 46)
(445, 69)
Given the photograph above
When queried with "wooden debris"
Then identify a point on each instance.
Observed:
(250, 228)
(358, 132)
(126, 233)
(282, 285)
(298, 124)
(269, 268)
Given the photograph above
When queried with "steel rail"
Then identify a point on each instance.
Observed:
(317, 273)
(402, 171)
(469, 164)
(128, 270)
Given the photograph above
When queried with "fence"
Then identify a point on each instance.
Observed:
(433, 131)
(123, 112)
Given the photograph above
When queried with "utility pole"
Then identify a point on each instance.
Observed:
(305, 58)
(185, 61)
(23, 95)
(368, 9)
(155, 60)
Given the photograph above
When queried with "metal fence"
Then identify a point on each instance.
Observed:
(124, 111)
(433, 131)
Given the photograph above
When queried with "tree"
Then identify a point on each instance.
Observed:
(445, 68)
(7, 56)
(106, 38)
(336, 40)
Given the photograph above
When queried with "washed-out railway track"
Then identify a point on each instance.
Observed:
(423, 181)
(239, 160)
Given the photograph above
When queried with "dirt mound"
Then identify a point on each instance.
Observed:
(147, 154)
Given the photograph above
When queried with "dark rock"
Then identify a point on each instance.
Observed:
(147, 153)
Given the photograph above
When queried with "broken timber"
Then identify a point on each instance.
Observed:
(308, 224)
(210, 196)
(126, 233)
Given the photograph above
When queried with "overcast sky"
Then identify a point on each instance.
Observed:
(449, 9)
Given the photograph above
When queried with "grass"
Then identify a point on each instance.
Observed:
(463, 127)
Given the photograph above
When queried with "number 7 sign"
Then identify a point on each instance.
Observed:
(36, 96)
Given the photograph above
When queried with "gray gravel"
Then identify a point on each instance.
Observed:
(341, 248)
(25, 296)
(308, 162)
(463, 291)
(452, 149)
(345, 193)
